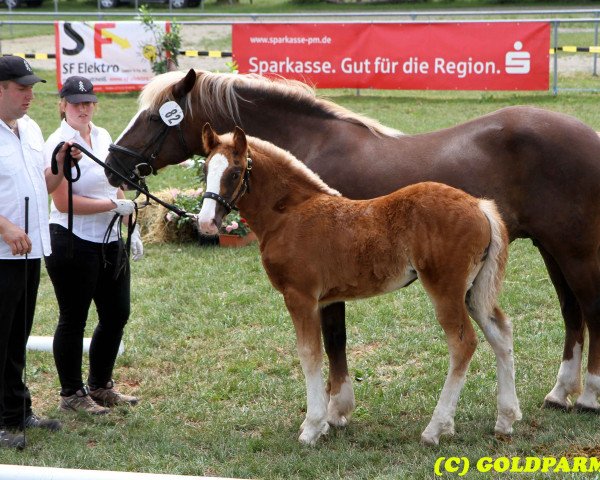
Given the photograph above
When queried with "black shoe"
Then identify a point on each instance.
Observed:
(33, 421)
(12, 440)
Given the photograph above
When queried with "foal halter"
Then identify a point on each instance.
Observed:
(243, 187)
(146, 167)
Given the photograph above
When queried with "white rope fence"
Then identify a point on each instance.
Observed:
(17, 472)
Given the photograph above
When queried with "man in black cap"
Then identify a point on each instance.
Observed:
(24, 185)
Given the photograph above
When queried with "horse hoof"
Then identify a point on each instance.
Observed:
(307, 440)
(585, 409)
(552, 405)
(338, 421)
(310, 435)
(503, 437)
(429, 440)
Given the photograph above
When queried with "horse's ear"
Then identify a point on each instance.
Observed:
(210, 140)
(185, 85)
(240, 144)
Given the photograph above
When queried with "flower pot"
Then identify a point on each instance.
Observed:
(235, 241)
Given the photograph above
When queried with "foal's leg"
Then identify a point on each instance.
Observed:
(307, 322)
(568, 380)
(498, 332)
(452, 314)
(339, 385)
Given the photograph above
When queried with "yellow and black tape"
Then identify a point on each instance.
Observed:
(205, 53)
(219, 54)
(35, 56)
(572, 49)
(186, 53)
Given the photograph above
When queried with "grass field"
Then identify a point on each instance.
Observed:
(210, 350)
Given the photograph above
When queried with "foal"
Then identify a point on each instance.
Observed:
(318, 247)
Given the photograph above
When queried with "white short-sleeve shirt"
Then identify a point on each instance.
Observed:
(22, 175)
(92, 183)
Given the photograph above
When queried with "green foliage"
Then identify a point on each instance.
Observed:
(163, 54)
(234, 224)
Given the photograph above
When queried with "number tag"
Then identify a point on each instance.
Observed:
(171, 113)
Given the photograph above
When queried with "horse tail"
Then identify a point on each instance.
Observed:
(483, 295)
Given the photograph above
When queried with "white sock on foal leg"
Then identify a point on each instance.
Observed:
(442, 421)
(501, 341)
(315, 424)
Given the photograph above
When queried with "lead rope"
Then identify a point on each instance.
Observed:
(168, 206)
(123, 249)
(68, 173)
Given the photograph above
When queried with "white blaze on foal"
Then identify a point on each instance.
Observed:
(216, 168)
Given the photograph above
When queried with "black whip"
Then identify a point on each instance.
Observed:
(25, 320)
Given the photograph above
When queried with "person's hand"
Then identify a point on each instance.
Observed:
(60, 155)
(16, 239)
(137, 247)
(123, 207)
(76, 154)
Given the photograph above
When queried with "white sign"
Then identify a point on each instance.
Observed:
(171, 113)
(115, 56)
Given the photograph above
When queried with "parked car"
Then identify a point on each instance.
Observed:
(174, 3)
(21, 3)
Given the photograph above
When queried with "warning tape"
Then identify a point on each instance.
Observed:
(186, 53)
(219, 54)
(571, 49)
(36, 56)
(203, 53)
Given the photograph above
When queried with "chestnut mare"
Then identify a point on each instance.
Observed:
(318, 247)
(541, 168)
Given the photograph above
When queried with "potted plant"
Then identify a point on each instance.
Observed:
(235, 231)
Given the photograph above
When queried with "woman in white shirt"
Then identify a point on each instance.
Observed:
(88, 263)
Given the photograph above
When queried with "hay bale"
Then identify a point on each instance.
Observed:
(155, 226)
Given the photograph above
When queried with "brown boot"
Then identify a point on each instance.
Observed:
(80, 401)
(109, 396)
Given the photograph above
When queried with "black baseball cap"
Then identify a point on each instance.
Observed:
(18, 70)
(78, 90)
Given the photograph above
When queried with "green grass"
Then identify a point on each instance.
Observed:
(210, 349)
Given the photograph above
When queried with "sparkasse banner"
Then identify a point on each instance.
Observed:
(115, 56)
(415, 56)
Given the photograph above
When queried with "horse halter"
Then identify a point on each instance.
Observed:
(244, 187)
(146, 166)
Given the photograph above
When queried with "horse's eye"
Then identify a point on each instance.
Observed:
(235, 175)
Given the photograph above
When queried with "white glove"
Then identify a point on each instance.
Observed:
(123, 207)
(137, 247)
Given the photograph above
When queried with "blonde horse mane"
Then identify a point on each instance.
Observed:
(267, 149)
(224, 99)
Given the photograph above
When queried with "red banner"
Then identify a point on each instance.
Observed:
(416, 56)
